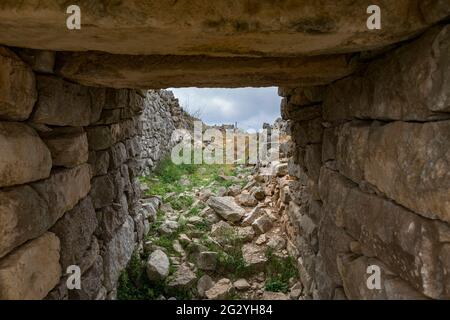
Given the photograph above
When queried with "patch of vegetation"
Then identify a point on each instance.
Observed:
(166, 176)
(134, 284)
(181, 202)
(278, 272)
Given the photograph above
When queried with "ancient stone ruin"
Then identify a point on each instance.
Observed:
(368, 179)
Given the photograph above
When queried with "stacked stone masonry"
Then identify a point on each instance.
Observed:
(69, 194)
(372, 167)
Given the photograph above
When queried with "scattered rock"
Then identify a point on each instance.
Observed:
(168, 227)
(254, 256)
(261, 239)
(245, 234)
(241, 284)
(227, 208)
(268, 295)
(183, 278)
(262, 224)
(234, 190)
(246, 200)
(157, 266)
(204, 284)
(221, 290)
(276, 242)
(258, 193)
(207, 260)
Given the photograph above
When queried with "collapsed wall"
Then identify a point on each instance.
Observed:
(372, 167)
(69, 194)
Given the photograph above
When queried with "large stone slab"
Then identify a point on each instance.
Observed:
(156, 71)
(69, 148)
(24, 215)
(227, 208)
(64, 188)
(75, 231)
(200, 27)
(410, 163)
(23, 155)
(421, 73)
(118, 253)
(406, 242)
(355, 276)
(17, 87)
(30, 272)
(62, 103)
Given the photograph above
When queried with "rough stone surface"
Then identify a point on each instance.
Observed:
(68, 149)
(32, 271)
(17, 142)
(183, 278)
(75, 231)
(157, 266)
(17, 87)
(421, 72)
(221, 290)
(118, 252)
(227, 208)
(64, 189)
(201, 28)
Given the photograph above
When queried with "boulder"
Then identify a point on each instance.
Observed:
(207, 260)
(157, 267)
(262, 224)
(183, 278)
(246, 200)
(221, 290)
(250, 217)
(204, 284)
(254, 256)
(227, 208)
(241, 285)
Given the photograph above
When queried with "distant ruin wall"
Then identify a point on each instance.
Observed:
(372, 162)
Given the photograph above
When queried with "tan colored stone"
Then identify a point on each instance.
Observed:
(200, 27)
(354, 275)
(17, 87)
(30, 272)
(421, 74)
(220, 290)
(64, 188)
(406, 242)
(156, 72)
(62, 103)
(24, 215)
(410, 163)
(68, 149)
(23, 155)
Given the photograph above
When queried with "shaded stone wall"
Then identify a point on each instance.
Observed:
(69, 195)
(372, 167)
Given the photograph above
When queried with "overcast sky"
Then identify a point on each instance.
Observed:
(249, 107)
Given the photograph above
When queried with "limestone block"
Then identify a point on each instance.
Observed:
(406, 242)
(103, 191)
(62, 103)
(116, 98)
(307, 132)
(307, 95)
(75, 230)
(91, 282)
(410, 163)
(69, 148)
(111, 218)
(354, 276)
(30, 272)
(17, 87)
(297, 113)
(103, 137)
(24, 215)
(17, 143)
(118, 253)
(421, 73)
(64, 189)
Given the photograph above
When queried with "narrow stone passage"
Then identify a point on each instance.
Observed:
(217, 232)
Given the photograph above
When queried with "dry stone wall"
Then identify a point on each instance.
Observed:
(69, 162)
(372, 167)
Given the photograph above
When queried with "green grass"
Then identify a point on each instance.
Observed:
(134, 284)
(166, 176)
(278, 272)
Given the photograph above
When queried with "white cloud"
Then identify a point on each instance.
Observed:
(249, 107)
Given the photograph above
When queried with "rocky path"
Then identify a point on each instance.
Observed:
(223, 240)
